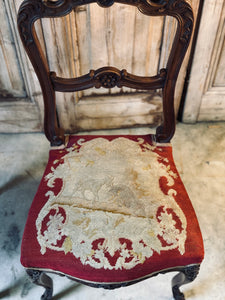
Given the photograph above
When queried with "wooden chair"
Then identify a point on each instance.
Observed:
(110, 210)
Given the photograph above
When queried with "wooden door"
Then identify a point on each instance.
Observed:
(89, 38)
(205, 99)
(20, 94)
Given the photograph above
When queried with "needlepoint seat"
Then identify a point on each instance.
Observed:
(111, 209)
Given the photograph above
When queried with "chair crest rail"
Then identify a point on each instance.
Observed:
(31, 10)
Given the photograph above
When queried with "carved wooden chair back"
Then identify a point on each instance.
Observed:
(31, 11)
(79, 193)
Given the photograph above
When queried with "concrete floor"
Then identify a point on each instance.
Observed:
(199, 151)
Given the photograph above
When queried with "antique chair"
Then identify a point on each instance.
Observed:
(110, 211)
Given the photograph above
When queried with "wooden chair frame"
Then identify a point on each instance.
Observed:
(107, 77)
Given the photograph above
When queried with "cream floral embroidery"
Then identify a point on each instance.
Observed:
(112, 204)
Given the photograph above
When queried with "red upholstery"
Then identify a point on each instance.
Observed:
(60, 255)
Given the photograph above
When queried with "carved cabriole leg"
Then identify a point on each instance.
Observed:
(40, 278)
(186, 275)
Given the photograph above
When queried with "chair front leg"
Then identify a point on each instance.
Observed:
(186, 275)
(40, 278)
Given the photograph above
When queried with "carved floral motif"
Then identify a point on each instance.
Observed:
(28, 13)
(108, 80)
(191, 272)
(53, 3)
(105, 3)
(34, 275)
(180, 9)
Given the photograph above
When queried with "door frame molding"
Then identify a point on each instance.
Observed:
(21, 114)
(206, 54)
